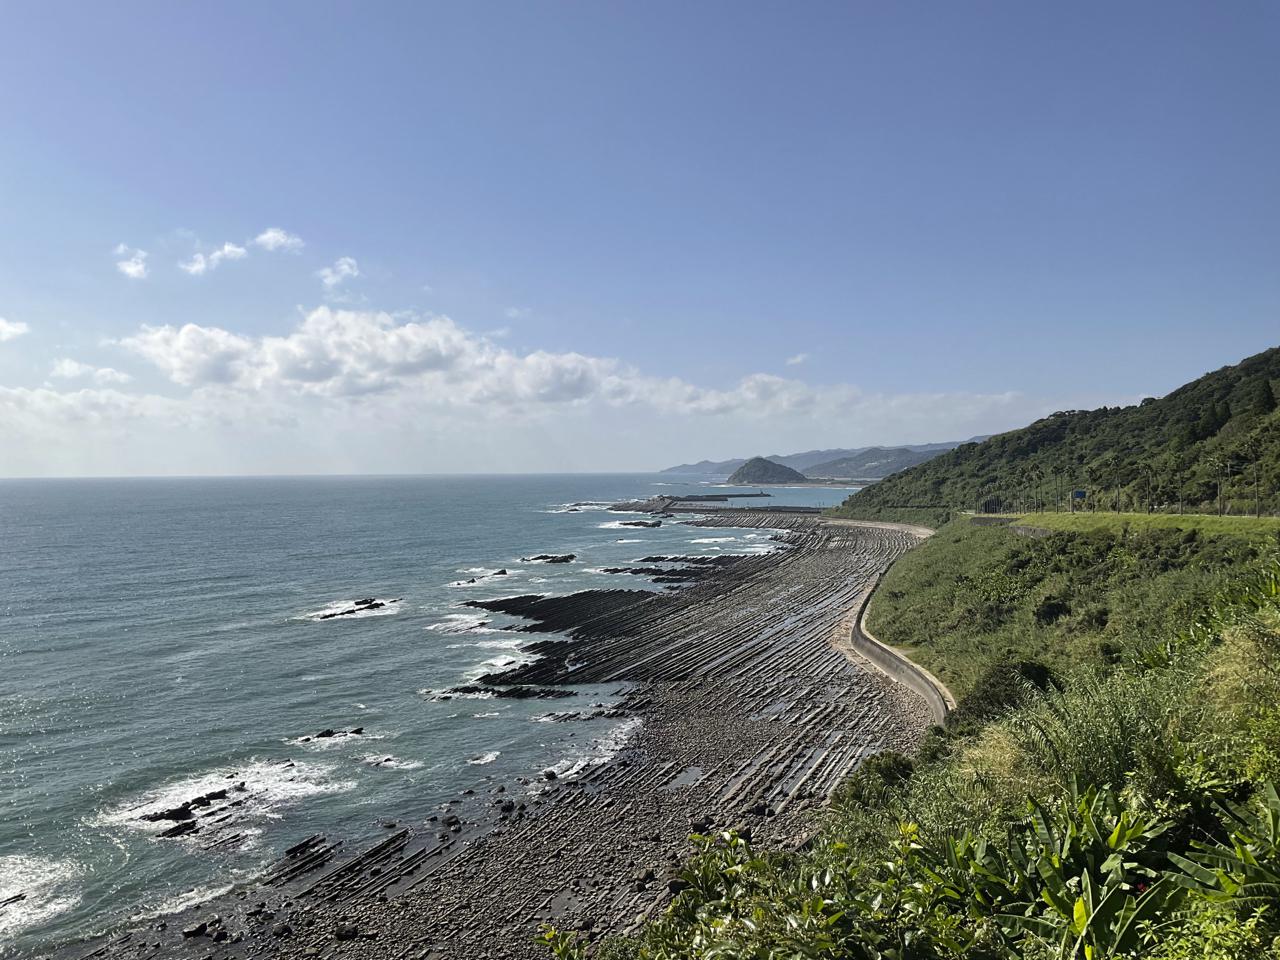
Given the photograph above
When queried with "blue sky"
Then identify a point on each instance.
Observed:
(592, 235)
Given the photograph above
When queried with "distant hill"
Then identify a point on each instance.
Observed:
(803, 461)
(707, 468)
(872, 463)
(1211, 444)
(761, 470)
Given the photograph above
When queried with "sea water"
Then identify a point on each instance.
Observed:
(164, 638)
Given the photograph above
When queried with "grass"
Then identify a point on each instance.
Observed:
(976, 599)
(1252, 527)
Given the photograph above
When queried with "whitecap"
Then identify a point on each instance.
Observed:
(446, 693)
(629, 541)
(601, 750)
(714, 540)
(179, 902)
(387, 761)
(487, 645)
(485, 758)
(47, 887)
(458, 623)
(328, 614)
(311, 742)
(255, 791)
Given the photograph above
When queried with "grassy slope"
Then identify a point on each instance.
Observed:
(976, 596)
(1160, 452)
(1260, 528)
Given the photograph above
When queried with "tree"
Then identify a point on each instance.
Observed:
(1262, 397)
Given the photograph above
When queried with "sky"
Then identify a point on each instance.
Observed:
(293, 238)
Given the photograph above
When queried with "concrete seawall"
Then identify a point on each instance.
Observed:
(898, 668)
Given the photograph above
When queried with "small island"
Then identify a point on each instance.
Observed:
(760, 470)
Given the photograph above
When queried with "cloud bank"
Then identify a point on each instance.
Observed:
(366, 391)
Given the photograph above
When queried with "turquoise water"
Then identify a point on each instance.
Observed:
(162, 638)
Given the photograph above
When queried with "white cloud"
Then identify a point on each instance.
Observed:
(273, 239)
(343, 268)
(353, 355)
(12, 329)
(134, 264)
(201, 263)
(516, 313)
(192, 355)
(68, 369)
(798, 359)
(360, 390)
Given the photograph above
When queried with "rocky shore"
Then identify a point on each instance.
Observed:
(741, 711)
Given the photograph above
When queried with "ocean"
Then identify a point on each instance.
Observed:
(164, 638)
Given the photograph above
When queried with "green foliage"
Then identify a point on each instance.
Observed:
(1260, 529)
(561, 944)
(1213, 443)
(977, 599)
(999, 687)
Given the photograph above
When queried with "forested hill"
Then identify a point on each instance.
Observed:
(1213, 443)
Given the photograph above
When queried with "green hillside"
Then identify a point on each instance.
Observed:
(1210, 446)
(875, 462)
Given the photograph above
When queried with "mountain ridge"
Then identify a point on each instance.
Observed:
(806, 459)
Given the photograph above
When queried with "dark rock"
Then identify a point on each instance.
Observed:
(516, 692)
(198, 930)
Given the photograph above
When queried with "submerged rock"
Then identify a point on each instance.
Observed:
(516, 692)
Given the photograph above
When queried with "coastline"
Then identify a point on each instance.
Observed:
(747, 713)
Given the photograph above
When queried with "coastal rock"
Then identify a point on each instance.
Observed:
(360, 606)
(641, 523)
(550, 558)
(516, 692)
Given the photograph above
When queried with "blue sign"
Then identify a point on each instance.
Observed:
(1077, 494)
